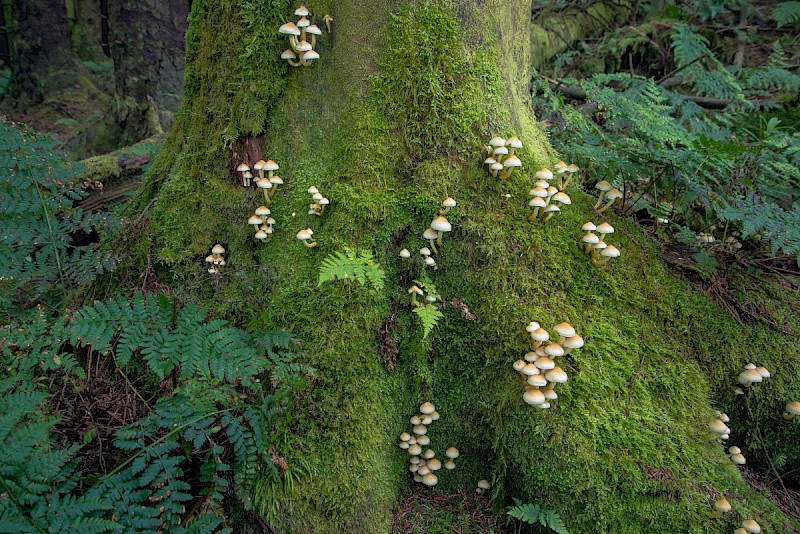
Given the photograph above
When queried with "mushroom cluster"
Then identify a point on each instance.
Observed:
(268, 183)
(215, 259)
(751, 375)
(423, 462)
(705, 238)
(718, 426)
(415, 292)
(736, 456)
(609, 193)
(500, 156)
(565, 173)
(538, 365)
(318, 202)
(545, 196)
(598, 250)
(263, 224)
(483, 485)
(792, 409)
(301, 52)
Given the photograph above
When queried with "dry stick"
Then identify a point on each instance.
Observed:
(764, 445)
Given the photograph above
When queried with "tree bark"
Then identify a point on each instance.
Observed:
(147, 39)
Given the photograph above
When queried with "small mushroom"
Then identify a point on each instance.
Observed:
(564, 330)
(751, 526)
(244, 169)
(327, 19)
(510, 163)
(414, 291)
(447, 204)
(589, 240)
(549, 211)
(513, 143)
(266, 186)
(441, 225)
(605, 254)
(405, 254)
(430, 234)
(792, 409)
(603, 186)
(306, 237)
(611, 197)
(570, 169)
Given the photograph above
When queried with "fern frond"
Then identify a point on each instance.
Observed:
(533, 514)
(429, 315)
(786, 13)
(352, 265)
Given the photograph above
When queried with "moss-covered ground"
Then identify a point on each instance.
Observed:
(625, 449)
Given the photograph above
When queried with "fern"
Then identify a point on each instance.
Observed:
(786, 13)
(192, 347)
(429, 315)
(533, 514)
(352, 265)
(37, 193)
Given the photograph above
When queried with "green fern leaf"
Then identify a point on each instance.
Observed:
(429, 315)
(786, 13)
(352, 265)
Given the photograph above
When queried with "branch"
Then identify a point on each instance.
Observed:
(577, 93)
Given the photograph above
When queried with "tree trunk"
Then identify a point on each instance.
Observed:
(147, 37)
(389, 121)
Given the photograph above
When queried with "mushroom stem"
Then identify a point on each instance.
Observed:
(293, 42)
(608, 205)
(310, 243)
(504, 175)
(564, 184)
(293, 63)
(600, 200)
(597, 259)
(548, 216)
(313, 41)
(433, 245)
(267, 200)
(414, 300)
(303, 34)
(587, 248)
(532, 217)
(439, 239)
(535, 344)
(444, 211)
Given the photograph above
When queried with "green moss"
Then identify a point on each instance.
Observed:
(625, 448)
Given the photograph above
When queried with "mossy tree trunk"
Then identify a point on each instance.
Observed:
(388, 122)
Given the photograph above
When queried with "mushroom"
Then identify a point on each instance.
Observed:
(603, 229)
(544, 174)
(328, 20)
(749, 376)
(606, 253)
(289, 56)
(290, 29)
(441, 225)
(244, 169)
(792, 409)
(405, 254)
(603, 186)
(589, 241)
(571, 169)
(495, 142)
(306, 237)
(218, 249)
(574, 342)
(427, 408)
(314, 31)
(447, 203)
(430, 234)
(549, 211)
(266, 186)
(261, 235)
(751, 526)
(483, 485)
(275, 181)
(510, 163)
(718, 427)
(738, 459)
(430, 479)
(533, 397)
(556, 375)
(513, 143)
(564, 330)
(414, 291)
(539, 336)
(612, 197)
(255, 220)
(494, 168)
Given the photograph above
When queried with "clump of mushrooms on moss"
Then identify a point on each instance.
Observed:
(546, 198)
(598, 250)
(423, 462)
(301, 51)
(215, 260)
(500, 157)
(538, 365)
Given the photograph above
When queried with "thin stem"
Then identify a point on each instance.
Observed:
(52, 238)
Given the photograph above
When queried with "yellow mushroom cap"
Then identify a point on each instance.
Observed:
(738, 459)
(589, 227)
(423, 469)
(573, 342)
(514, 142)
(430, 479)
(314, 29)
(590, 238)
(723, 506)
(750, 376)
(218, 249)
(261, 235)
(562, 198)
(537, 202)
(540, 335)
(519, 365)
(405, 253)
(450, 464)
(793, 408)
(530, 356)
(610, 252)
(537, 381)
(420, 429)
(255, 220)
(497, 141)
(538, 192)
(565, 330)
(428, 454)
(603, 185)
(605, 228)
(405, 436)
(423, 440)
(533, 397)
(544, 174)
(751, 526)
(483, 484)
(512, 161)
(718, 426)
(532, 327)
(763, 372)
(427, 408)
(740, 531)
(415, 450)
(415, 289)
(243, 167)
(290, 28)
(530, 370)
(554, 350)
(440, 224)
(614, 194)
(449, 202)
(573, 168)
(434, 464)
(556, 375)
(287, 54)
(544, 363)
(452, 453)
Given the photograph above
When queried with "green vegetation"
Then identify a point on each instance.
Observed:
(352, 265)
(533, 514)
